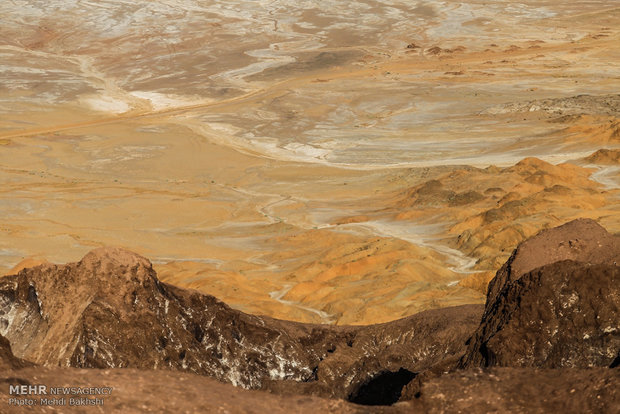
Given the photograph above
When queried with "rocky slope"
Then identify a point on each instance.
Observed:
(581, 240)
(560, 315)
(160, 392)
(549, 327)
(109, 310)
(604, 157)
(555, 303)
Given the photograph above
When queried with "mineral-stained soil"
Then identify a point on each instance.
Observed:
(324, 162)
(605, 157)
(324, 191)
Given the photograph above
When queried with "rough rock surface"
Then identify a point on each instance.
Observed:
(145, 391)
(109, 310)
(420, 342)
(555, 303)
(7, 359)
(551, 316)
(522, 390)
(514, 390)
(581, 240)
(560, 315)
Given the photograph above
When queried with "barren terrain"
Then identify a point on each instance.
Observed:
(546, 340)
(329, 162)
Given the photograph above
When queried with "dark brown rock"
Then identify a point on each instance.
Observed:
(560, 315)
(502, 390)
(555, 303)
(522, 390)
(581, 240)
(415, 344)
(143, 391)
(109, 310)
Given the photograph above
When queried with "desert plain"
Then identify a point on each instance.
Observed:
(331, 162)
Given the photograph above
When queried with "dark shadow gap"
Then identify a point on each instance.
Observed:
(383, 389)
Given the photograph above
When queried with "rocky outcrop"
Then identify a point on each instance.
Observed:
(110, 310)
(551, 316)
(376, 353)
(581, 240)
(555, 303)
(560, 315)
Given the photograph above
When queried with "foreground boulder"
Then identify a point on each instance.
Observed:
(581, 240)
(560, 315)
(110, 310)
(555, 303)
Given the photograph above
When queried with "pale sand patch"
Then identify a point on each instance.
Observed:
(106, 104)
(159, 101)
